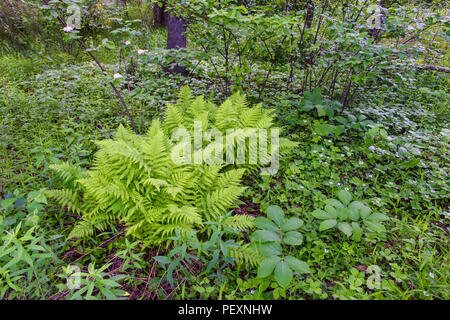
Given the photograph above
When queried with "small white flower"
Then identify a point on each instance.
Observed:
(364, 184)
(325, 250)
(372, 148)
(361, 162)
(331, 183)
(370, 176)
(67, 29)
(127, 43)
(339, 184)
(342, 155)
(141, 51)
(117, 76)
(431, 275)
(346, 189)
(425, 293)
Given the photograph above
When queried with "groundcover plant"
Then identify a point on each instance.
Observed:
(224, 150)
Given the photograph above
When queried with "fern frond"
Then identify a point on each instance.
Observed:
(66, 198)
(245, 254)
(241, 222)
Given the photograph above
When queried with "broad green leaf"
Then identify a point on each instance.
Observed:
(264, 223)
(292, 224)
(342, 213)
(377, 216)
(353, 214)
(409, 164)
(293, 238)
(344, 196)
(7, 202)
(283, 274)
(265, 236)
(297, 265)
(345, 228)
(331, 210)
(322, 215)
(327, 224)
(363, 210)
(267, 266)
(356, 230)
(375, 226)
(335, 203)
(276, 214)
(324, 129)
(339, 130)
(270, 249)
(321, 110)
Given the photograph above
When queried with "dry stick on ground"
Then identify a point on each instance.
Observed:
(116, 92)
(435, 68)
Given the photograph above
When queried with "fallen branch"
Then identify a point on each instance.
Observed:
(435, 68)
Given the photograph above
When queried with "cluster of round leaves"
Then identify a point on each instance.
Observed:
(346, 215)
(274, 234)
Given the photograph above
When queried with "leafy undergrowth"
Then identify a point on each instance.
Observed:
(387, 153)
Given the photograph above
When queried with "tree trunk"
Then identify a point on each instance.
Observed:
(176, 38)
(309, 13)
(159, 15)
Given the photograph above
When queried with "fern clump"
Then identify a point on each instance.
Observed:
(134, 180)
